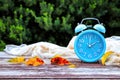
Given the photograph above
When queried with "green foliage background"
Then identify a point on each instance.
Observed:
(30, 21)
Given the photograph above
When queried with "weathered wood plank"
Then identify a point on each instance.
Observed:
(82, 70)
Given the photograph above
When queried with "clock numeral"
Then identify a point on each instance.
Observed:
(98, 50)
(95, 37)
(84, 53)
(95, 54)
(85, 37)
(89, 56)
(100, 45)
(79, 45)
(81, 50)
(81, 40)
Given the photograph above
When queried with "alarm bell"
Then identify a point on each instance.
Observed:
(80, 27)
(99, 27)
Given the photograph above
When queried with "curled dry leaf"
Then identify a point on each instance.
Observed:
(35, 61)
(58, 60)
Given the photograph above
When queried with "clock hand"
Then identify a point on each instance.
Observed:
(90, 45)
(89, 39)
(94, 43)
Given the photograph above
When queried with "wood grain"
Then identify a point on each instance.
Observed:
(48, 71)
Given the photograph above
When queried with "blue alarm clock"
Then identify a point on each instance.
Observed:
(90, 43)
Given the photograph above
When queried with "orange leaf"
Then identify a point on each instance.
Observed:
(35, 61)
(59, 61)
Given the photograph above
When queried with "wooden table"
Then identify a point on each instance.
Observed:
(48, 71)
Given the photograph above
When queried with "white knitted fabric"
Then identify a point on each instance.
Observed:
(42, 49)
(48, 50)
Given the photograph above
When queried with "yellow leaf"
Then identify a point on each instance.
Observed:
(57, 55)
(72, 66)
(105, 56)
(20, 59)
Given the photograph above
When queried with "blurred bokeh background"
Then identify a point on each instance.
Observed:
(31, 21)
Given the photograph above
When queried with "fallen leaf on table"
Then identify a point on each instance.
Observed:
(58, 60)
(57, 55)
(72, 66)
(34, 61)
(105, 56)
(17, 60)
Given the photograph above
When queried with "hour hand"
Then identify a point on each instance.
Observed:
(94, 43)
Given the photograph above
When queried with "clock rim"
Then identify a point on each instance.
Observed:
(85, 59)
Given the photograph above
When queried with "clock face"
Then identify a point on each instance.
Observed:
(90, 45)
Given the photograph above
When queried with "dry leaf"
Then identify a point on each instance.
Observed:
(105, 56)
(58, 60)
(17, 60)
(72, 66)
(35, 61)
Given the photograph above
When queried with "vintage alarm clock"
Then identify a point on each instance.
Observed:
(90, 43)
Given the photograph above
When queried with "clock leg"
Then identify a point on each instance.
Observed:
(97, 62)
